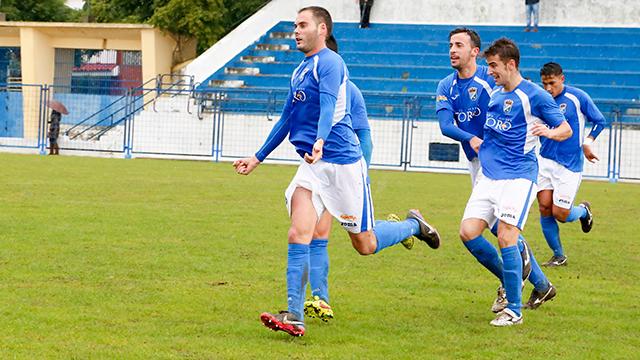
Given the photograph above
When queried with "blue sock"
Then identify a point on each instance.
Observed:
(537, 277)
(577, 212)
(319, 268)
(297, 275)
(486, 254)
(389, 233)
(551, 233)
(512, 276)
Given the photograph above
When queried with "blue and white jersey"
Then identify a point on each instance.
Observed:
(468, 100)
(317, 107)
(359, 118)
(508, 149)
(577, 106)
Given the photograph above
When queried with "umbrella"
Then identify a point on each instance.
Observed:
(58, 106)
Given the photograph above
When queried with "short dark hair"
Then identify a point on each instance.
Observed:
(321, 15)
(505, 48)
(332, 43)
(475, 38)
(551, 69)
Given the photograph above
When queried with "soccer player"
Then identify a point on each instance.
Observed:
(332, 175)
(462, 100)
(517, 113)
(561, 162)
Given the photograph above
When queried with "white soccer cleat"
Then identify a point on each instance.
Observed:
(506, 318)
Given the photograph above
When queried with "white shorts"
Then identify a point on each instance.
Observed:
(343, 190)
(563, 182)
(474, 169)
(505, 200)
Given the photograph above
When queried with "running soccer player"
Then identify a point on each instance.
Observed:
(462, 100)
(561, 163)
(332, 174)
(505, 187)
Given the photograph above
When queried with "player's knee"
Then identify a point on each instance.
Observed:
(545, 209)
(364, 245)
(466, 233)
(296, 237)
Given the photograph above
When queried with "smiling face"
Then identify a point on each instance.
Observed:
(554, 84)
(462, 53)
(502, 72)
(310, 36)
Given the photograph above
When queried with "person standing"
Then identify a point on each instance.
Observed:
(365, 11)
(533, 13)
(54, 132)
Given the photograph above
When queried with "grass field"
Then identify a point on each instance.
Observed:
(138, 259)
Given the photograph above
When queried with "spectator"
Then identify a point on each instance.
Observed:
(533, 9)
(54, 132)
(365, 11)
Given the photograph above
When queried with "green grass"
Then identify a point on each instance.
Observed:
(111, 258)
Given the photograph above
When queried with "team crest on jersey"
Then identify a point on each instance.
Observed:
(563, 107)
(508, 104)
(300, 96)
(473, 93)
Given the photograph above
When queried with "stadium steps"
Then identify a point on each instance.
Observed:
(390, 60)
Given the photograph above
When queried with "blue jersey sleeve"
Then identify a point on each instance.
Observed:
(330, 75)
(449, 128)
(593, 114)
(544, 107)
(279, 131)
(359, 118)
(443, 100)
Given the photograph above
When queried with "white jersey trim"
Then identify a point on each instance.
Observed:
(341, 101)
(581, 117)
(484, 84)
(531, 140)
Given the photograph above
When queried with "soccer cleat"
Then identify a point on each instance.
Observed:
(526, 261)
(586, 223)
(408, 242)
(537, 298)
(318, 308)
(500, 303)
(556, 261)
(428, 233)
(284, 321)
(506, 318)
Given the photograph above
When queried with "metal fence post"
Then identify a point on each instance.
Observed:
(42, 119)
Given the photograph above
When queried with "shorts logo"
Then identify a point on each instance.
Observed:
(300, 96)
(441, 98)
(563, 107)
(473, 93)
(564, 200)
(348, 217)
(508, 104)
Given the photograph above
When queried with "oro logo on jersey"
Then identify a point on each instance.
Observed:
(467, 115)
(473, 93)
(300, 96)
(563, 107)
(497, 124)
(508, 104)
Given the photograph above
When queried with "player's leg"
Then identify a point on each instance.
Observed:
(550, 228)
(536, 16)
(563, 200)
(318, 305)
(304, 211)
(513, 204)
(477, 215)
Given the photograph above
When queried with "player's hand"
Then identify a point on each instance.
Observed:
(540, 129)
(475, 143)
(589, 154)
(316, 152)
(245, 166)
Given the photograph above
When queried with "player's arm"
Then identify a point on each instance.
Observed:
(593, 114)
(277, 135)
(330, 77)
(450, 130)
(557, 128)
(444, 112)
